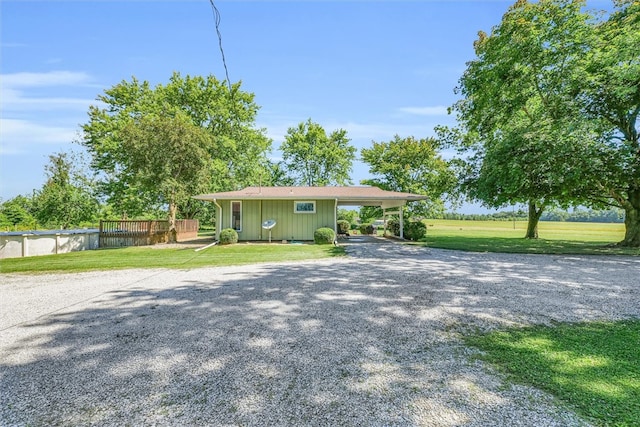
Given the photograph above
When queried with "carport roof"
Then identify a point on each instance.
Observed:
(345, 196)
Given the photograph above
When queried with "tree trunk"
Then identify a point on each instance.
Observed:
(534, 217)
(632, 220)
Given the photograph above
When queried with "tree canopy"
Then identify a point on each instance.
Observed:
(534, 109)
(314, 158)
(153, 147)
(413, 166)
(67, 198)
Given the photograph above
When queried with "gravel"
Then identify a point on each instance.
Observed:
(372, 339)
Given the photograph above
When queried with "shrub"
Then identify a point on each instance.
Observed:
(228, 236)
(393, 226)
(413, 230)
(324, 235)
(366, 228)
(343, 226)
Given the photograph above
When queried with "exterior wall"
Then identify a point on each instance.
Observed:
(15, 246)
(289, 225)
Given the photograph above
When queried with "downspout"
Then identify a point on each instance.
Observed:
(401, 222)
(335, 218)
(218, 219)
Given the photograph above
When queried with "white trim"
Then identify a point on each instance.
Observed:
(239, 229)
(295, 206)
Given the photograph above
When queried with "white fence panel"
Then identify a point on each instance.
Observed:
(22, 244)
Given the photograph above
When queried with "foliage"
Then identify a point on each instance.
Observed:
(315, 159)
(212, 123)
(593, 368)
(412, 230)
(324, 236)
(278, 176)
(393, 226)
(528, 143)
(145, 257)
(550, 110)
(171, 155)
(412, 166)
(415, 230)
(17, 211)
(67, 197)
(228, 236)
(343, 226)
(366, 228)
(347, 215)
(608, 92)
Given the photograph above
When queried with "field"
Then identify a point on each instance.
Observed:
(508, 236)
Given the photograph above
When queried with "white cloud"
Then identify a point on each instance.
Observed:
(52, 78)
(437, 110)
(30, 92)
(19, 136)
(14, 100)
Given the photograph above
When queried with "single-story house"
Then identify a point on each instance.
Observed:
(294, 213)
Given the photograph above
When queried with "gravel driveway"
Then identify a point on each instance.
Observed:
(372, 339)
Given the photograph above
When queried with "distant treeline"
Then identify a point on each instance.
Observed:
(578, 215)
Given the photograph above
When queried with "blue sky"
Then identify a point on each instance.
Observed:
(373, 68)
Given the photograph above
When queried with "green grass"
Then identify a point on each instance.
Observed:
(593, 368)
(146, 257)
(507, 236)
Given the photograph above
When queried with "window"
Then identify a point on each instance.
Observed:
(304, 207)
(236, 216)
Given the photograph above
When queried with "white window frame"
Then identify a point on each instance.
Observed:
(295, 206)
(239, 229)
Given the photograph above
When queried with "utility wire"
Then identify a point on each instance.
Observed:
(216, 17)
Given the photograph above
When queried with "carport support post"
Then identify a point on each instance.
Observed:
(401, 223)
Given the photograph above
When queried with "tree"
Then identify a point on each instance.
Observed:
(67, 197)
(528, 142)
(608, 92)
(202, 115)
(413, 166)
(171, 155)
(315, 159)
(17, 211)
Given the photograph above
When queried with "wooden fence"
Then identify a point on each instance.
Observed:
(114, 234)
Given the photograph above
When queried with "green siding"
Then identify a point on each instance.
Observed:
(289, 225)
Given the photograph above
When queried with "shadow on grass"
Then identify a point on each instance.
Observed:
(593, 367)
(531, 246)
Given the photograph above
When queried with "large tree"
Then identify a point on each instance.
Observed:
(608, 92)
(528, 141)
(172, 155)
(411, 165)
(196, 128)
(552, 103)
(314, 158)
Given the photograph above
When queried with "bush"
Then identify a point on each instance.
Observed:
(413, 230)
(343, 226)
(228, 236)
(323, 236)
(393, 226)
(366, 229)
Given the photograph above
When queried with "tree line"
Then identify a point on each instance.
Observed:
(547, 117)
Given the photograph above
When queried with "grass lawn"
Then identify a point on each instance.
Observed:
(507, 236)
(594, 368)
(147, 257)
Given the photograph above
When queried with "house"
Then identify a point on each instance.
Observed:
(296, 211)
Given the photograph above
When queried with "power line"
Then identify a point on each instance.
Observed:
(216, 17)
